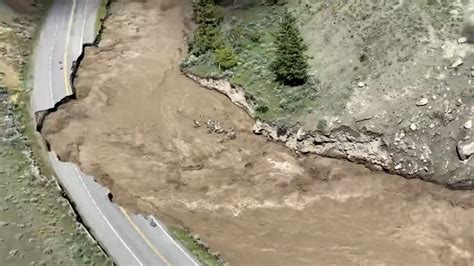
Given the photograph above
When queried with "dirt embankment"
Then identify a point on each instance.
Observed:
(163, 144)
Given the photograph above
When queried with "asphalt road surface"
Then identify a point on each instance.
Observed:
(69, 24)
(129, 239)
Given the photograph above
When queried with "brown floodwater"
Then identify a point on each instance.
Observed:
(165, 145)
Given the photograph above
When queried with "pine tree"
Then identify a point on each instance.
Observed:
(290, 64)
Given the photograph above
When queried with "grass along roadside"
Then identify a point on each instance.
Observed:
(38, 225)
(197, 249)
(25, 156)
(21, 100)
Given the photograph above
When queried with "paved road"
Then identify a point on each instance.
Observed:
(69, 24)
(128, 238)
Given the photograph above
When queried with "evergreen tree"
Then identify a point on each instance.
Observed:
(290, 64)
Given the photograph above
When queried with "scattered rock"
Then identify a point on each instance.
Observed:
(257, 128)
(48, 251)
(462, 40)
(300, 135)
(13, 253)
(422, 102)
(413, 126)
(213, 126)
(361, 84)
(468, 124)
(19, 236)
(457, 63)
(465, 150)
(232, 135)
(196, 237)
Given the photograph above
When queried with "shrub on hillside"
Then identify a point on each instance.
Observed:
(225, 58)
(206, 38)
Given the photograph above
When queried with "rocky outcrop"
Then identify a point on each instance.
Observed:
(403, 153)
(343, 142)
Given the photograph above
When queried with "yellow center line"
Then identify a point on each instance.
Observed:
(144, 237)
(66, 50)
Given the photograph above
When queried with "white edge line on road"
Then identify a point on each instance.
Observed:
(51, 63)
(174, 242)
(103, 216)
(66, 47)
(84, 23)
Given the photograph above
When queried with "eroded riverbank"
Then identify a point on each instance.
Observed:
(165, 145)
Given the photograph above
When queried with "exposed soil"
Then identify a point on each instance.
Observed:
(165, 145)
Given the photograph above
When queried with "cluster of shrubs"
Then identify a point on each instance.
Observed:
(208, 36)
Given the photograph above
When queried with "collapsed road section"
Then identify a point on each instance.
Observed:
(128, 239)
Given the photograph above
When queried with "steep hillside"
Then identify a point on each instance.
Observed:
(389, 84)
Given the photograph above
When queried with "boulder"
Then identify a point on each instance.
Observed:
(457, 63)
(468, 124)
(422, 102)
(462, 40)
(300, 135)
(465, 149)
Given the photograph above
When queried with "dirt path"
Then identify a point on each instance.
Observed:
(134, 127)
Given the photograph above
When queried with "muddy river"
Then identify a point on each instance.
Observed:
(164, 145)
